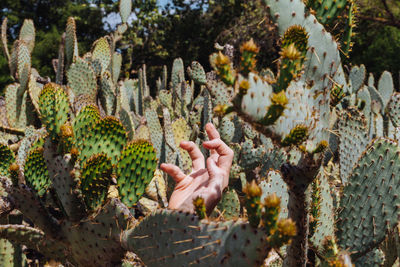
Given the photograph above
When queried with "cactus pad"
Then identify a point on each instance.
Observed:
(6, 159)
(96, 178)
(275, 184)
(369, 205)
(101, 55)
(229, 206)
(353, 140)
(82, 79)
(71, 43)
(36, 173)
(135, 170)
(394, 109)
(163, 241)
(197, 73)
(84, 122)
(54, 108)
(107, 136)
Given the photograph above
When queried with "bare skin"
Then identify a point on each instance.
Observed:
(208, 181)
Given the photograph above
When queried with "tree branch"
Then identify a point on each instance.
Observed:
(384, 21)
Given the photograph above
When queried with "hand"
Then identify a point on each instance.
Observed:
(207, 183)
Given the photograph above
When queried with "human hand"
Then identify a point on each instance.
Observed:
(206, 182)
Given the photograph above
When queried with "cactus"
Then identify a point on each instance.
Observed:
(314, 168)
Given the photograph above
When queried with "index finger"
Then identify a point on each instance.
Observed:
(212, 131)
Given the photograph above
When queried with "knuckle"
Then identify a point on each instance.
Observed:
(192, 144)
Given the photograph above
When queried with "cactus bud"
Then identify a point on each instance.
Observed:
(200, 207)
(222, 65)
(286, 229)
(14, 172)
(296, 136)
(66, 137)
(294, 49)
(244, 87)
(252, 190)
(253, 194)
(221, 110)
(272, 207)
(66, 130)
(321, 147)
(248, 61)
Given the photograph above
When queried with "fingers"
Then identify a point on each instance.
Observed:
(225, 154)
(212, 134)
(194, 153)
(212, 131)
(173, 171)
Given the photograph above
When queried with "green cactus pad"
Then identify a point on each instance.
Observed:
(107, 93)
(101, 56)
(353, 138)
(34, 90)
(36, 173)
(95, 180)
(116, 66)
(165, 98)
(197, 73)
(125, 9)
(371, 259)
(17, 106)
(30, 142)
(386, 87)
(156, 132)
(54, 108)
(257, 99)
(177, 76)
(84, 122)
(71, 43)
(251, 157)
(6, 159)
(107, 136)
(6, 253)
(128, 121)
(393, 109)
(23, 65)
(275, 184)
(326, 219)
(82, 79)
(64, 180)
(181, 132)
(219, 91)
(369, 205)
(169, 150)
(377, 98)
(327, 11)
(97, 240)
(4, 41)
(27, 34)
(229, 205)
(163, 241)
(357, 77)
(135, 170)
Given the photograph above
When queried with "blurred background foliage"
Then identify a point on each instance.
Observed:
(162, 31)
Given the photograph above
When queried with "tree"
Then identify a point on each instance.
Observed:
(50, 17)
(189, 29)
(377, 40)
